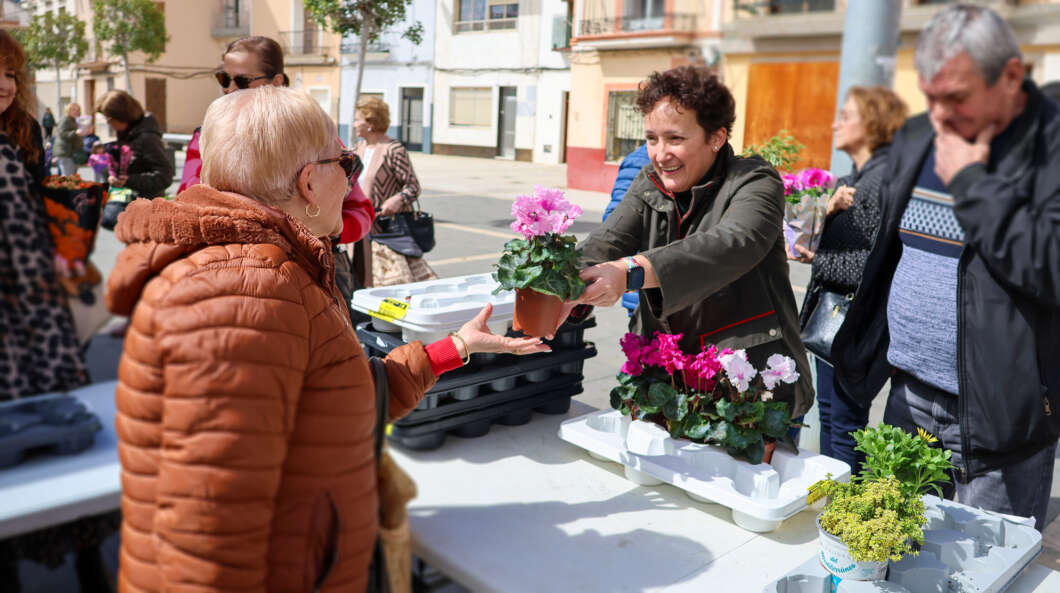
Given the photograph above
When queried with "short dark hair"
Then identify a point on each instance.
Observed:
(120, 105)
(691, 87)
(268, 51)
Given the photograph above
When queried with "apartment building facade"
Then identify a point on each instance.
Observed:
(179, 86)
(616, 45)
(398, 71)
(781, 60)
(500, 91)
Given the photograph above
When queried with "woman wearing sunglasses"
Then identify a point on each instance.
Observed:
(245, 405)
(254, 62)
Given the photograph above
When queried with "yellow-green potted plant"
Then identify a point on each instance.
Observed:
(879, 515)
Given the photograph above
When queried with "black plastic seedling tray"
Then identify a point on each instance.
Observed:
(483, 379)
(58, 425)
(512, 412)
(461, 408)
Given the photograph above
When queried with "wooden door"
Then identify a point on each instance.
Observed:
(156, 99)
(798, 97)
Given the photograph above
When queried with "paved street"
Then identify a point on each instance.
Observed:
(471, 200)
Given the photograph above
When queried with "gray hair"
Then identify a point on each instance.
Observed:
(970, 28)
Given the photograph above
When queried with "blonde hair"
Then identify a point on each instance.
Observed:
(375, 112)
(881, 111)
(255, 142)
(70, 108)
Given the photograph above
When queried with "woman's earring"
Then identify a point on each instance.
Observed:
(716, 148)
(312, 214)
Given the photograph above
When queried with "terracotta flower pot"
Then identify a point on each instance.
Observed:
(770, 447)
(536, 314)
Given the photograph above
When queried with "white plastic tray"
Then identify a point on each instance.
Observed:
(435, 307)
(760, 496)
(965, 549)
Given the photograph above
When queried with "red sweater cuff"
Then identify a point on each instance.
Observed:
(444, 356)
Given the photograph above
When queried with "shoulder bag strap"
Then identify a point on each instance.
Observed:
(382, 403)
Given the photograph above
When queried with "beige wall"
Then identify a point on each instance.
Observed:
(599, 73)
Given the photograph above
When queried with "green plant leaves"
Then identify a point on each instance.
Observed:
(775, 420)
(891, 451)
(547, 264)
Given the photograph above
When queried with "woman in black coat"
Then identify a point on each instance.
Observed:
(864, 129)
(150, 171)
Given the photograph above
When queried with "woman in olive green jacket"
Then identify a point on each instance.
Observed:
(699, 234)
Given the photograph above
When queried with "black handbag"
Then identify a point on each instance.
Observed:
(408, 233)
(824, 323)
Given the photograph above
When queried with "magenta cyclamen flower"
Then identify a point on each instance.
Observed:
(701, 369)
(546, 211)
(633, 346)
(668, 354)
(813, 178)
(790, 184)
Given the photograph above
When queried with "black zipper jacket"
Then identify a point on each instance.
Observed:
(1008, 288)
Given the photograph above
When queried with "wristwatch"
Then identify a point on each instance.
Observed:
(634, 275)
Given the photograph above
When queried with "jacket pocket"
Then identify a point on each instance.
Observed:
(322, 541)
(754, 330)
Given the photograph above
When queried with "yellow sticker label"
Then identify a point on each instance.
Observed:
(389, 429)
(391, 309)
(816, 492)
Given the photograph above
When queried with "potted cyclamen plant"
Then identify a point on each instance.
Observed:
(715, 396)
(879, 515)
(806, 194)
(541, 267)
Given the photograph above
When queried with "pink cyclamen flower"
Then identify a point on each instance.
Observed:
(789, 183)
(738, 370)
(633, 346)
(813, 178)
(546, 211)
(780, 368)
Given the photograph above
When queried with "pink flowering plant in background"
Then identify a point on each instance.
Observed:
(544, 259)
(806, 195)
(714, 396)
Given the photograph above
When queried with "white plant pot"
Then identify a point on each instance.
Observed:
(835, 557)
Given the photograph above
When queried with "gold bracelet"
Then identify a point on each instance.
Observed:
(464, 360)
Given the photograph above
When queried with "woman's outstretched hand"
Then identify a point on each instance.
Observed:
(479, 338)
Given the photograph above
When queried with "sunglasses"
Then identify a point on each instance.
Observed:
(242, 82)
(350, 163)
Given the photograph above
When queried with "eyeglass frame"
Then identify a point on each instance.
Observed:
(223, 77)
(355, 164)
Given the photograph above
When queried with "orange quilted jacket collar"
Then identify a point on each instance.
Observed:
(158, 232)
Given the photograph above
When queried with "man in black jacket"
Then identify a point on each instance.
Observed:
(960, 300)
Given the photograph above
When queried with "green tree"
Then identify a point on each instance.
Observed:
(128, 26)
(56, 41)
(367, 19)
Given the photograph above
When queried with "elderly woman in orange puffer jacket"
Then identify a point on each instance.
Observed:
(245, 402)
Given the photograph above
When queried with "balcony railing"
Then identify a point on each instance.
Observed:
(766, 7)
(308, 42)
(353, 46)
(637, 24)
(231, 18)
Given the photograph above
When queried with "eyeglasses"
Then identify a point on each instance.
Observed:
(350, 163)
(242, 82)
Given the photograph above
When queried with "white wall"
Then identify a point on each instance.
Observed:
(521, 58)
(406, 65)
